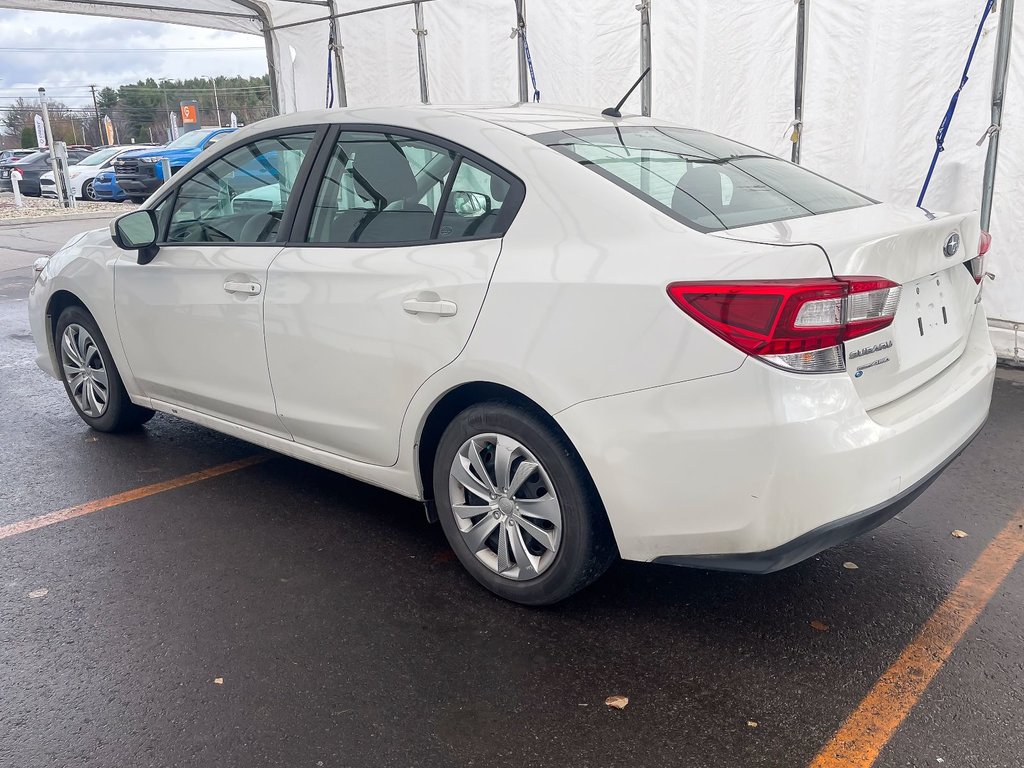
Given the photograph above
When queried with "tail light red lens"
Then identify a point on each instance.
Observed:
(795, 324)
(977, 264)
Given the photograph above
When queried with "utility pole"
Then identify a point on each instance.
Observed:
(96, 110)
(167, 108)
(216, 101)
(57, 186)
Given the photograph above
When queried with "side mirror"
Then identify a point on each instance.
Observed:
(470, 204)
(136, 231)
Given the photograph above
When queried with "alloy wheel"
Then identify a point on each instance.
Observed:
(84, 370)
(505, 506)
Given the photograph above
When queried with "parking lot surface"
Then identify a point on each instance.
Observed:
(276, 614)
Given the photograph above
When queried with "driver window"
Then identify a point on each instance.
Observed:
(380, 188)
(240, 197)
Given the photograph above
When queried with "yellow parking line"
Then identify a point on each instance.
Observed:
(861, 738)
(69, 513)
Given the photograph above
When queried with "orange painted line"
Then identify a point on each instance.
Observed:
(69, 513)
(861, 738)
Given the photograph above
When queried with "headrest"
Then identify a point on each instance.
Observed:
(381, 169)
(499, 188)
(703, 182)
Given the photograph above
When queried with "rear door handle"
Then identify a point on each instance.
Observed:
(249, 289)
(420, 307)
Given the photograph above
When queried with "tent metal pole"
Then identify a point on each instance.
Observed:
(339, 60)
(520, 32)
(268, 42)
(800, 72)
(1000, 71)
(421, 52)
(275, 93)
(645, 56)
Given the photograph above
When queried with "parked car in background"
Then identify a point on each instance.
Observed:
(10, 155)
(32, 168)
(105, 187)
(573, 337)
(84, 172)
(139, 173)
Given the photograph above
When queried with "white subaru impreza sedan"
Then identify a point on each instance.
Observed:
(573, 336)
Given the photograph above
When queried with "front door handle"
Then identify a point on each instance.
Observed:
(249, 289)
(420, 307)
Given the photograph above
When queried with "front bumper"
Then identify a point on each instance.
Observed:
(134, 187)
(758, 469)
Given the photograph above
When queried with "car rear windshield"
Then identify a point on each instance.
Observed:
(705, 181)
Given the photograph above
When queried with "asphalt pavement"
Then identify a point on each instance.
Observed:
(282, 615)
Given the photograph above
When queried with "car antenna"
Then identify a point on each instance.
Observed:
(614, 111)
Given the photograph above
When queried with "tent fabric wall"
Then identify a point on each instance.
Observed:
(879, 77)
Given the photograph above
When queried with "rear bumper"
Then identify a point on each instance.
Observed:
(819, 539)
(758, 469)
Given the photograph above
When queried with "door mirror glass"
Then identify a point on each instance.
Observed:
(134, 230)
(470, 204)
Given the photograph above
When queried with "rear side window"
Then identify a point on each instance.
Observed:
(380, 188)
(388, 189)
(705, 181)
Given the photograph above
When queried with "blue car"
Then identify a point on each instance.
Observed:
(139, 173)
(105, 187)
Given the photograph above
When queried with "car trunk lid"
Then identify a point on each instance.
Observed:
(909, 247)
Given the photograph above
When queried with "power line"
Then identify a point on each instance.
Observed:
(130, 50)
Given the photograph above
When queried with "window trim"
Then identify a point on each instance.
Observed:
(299, 230)
(318, 132)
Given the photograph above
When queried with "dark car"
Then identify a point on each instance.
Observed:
(32, 167)
(139, 173)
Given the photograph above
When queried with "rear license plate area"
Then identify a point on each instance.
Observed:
(929, 318)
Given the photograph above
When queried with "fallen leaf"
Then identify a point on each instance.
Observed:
(618, 702)
(958, 534)
(851, 566)
(752, 723)
(819, 626)
(218, 681)
(35, 594)
(92, 439)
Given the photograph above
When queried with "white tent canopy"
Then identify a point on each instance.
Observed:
(878, 79)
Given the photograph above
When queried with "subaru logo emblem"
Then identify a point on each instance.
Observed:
(952, 245)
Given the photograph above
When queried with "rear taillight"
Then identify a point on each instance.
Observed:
(799, 325)
(976, 266)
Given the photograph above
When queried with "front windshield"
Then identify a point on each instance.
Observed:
(99, 158)
(190, 139)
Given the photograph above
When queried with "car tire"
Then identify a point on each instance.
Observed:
(551, 495)
(137, 200)
(88, 193)
(90, 377)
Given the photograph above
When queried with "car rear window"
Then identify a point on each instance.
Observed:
(705, 181)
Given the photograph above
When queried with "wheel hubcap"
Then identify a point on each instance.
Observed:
(84, 370)
(505, 506)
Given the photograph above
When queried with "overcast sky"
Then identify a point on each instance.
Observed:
(64, 73)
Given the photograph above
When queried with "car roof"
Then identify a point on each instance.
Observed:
(527, 119)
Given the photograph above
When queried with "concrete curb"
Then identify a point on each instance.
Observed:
(58, 217)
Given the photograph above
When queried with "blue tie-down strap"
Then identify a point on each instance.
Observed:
(529, 63)
(521, 28)
(330, 71)
(947, 119)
